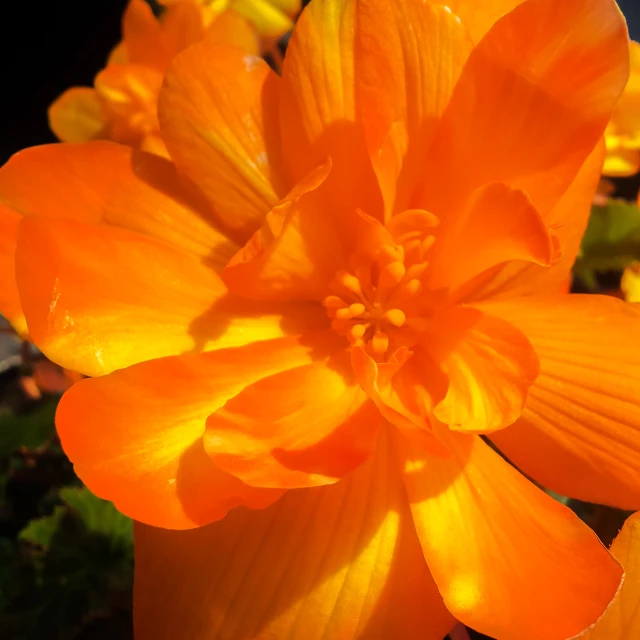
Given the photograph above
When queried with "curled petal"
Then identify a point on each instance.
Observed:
(341, 561)
(509, 560)
(135, 436)
(304, 427)
(490, 365)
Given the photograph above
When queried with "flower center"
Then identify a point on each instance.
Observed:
(377, 302)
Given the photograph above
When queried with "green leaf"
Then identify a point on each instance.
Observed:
(31, 430)
(98, 516)
(40, 531)
(80, 561)
(611, 241)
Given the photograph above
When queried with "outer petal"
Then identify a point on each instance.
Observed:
(499, 224)
(520, 113)
(77, 116)
(478, 16)
(508, 560)
(304, 427)
(106, 182)
(101, 298)
(231, 28)
(331, 562)
(10, 306)
(568, 220)
(183, 25)
(142, 36)
(318, 110)
(129, 95)
(409, 54)
(135, 436)
(490, 366)
(622, 619)
(580, 430)
(217, 115)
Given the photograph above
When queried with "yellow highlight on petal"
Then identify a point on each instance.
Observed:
(464, 594)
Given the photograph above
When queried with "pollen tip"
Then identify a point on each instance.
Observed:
(349, 281)
(392, 274)
(333, 302)
(357, 309)
(358, 330)
(380, 342)
(344, 314)
(396, 317)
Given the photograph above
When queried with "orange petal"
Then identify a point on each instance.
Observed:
(77, 116)
(580, 430)
(478, 16)
(182, 25)
(490, 365)
(296, 252)
(10, 306)
(568, 220)
(622, 620)
(498, 224)
(99, 298)
(341, 561)
(231, 28)
(106, 182)
(404, 389)
(509, 560)
(217, 115)
(135, 436)
(318, 112)
(129, 96)
(520, 113)
(409, 56)
(142, 36)
(304, 427)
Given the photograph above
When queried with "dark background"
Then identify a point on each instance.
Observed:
(47, 46)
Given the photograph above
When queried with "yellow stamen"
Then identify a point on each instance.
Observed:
(349, 282)
(344, 314)
(334, 302)
(358, 330)
(380, 342)
(391, 275)
(396, 317)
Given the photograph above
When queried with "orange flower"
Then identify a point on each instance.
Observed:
(623, 132)
(348, 276)
(272, 18)
(622, 620)
(122, 106)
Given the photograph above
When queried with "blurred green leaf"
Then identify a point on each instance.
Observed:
(99, 516)
(31, 430)
(611, 241)
(80, 565)
(40, 531)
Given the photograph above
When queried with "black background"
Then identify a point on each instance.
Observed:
(47, 46)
